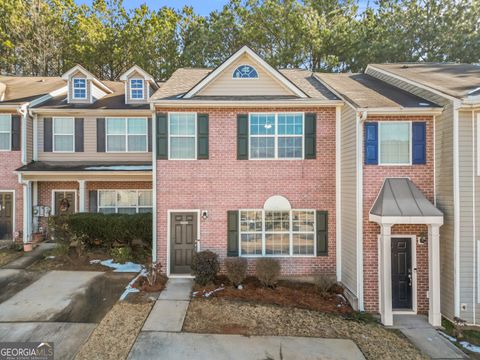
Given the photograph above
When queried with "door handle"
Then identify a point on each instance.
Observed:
(409, 277)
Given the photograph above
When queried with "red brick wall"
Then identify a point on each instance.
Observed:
(373, 177)
(224, 183)
(9, 162)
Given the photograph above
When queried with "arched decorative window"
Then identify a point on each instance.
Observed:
(245, 72)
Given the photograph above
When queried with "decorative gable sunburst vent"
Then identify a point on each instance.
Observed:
(245, 72)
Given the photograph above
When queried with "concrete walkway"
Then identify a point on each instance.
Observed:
(30, 257)
(417, 329)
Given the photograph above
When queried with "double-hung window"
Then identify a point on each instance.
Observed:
(394, 143)
(127, 134)
(276, 136)
(63, 134)
(136, 89)
(182, 136)
(124, 201)
(5, 132)
(277, 233)
(79, 88)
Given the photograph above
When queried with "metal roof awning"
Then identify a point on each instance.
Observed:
(401, 202)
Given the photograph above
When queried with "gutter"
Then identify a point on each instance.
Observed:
(154, 184)
(244, 104)
(432, 111)
(48, 111)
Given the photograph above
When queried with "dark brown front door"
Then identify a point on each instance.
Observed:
(64, 202)
(401, 273)
(183, 236)
(6, 215)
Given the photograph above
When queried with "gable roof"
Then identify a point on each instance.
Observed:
(245, 50)
(183, 79)
(365, 91)
(138, 69)
(456, 80)
(18, 90)
(88, 75)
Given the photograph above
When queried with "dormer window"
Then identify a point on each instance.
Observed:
(79, 88)
(136, 89)
(245, 72)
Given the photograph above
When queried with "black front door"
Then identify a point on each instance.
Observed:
(401, 273)
(183, 236)
(6, 215)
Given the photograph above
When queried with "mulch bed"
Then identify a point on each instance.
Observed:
(287, 293)
(72, 262)
(143, 285)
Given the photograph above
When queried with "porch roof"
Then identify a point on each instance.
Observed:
(400, 198)
(86, 166)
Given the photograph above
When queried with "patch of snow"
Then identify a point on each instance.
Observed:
(206, 294)
(120, 167)
(451, 338)
(465, 344)
(127, 267)
(129, 288)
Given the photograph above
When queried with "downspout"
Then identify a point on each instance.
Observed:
(360, 118)
(456, 210)
(23, 111)
(338, 177)
(154, 184)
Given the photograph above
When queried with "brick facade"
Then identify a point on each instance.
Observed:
(224, 183)
(9, 162)
(373, 177)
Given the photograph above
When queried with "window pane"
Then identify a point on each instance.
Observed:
(127, 210)
(63, 126)
(394, 143)
(79, 83)
(262, 124)
(277, 221)
(251, 244)
(182, 148)
(107, 210)
(137, 126)
(5, 141)
(5, 124)
(144, 210)
(127, 198)
(115, 126)
(303, 244)
(80, 94)
(250, 221)
(182, 124)
(262, 147)
(63, 142)
(145, 198)
(303, 221)
(137, 143)
(277, 244)
(107, 198)
(290, 124)
(116, 143)
(289, 147)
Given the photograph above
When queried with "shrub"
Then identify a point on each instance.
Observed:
(205, 266)
(59, 250)
(236, 270)
(121, 255)
(268, 271)
(324, 283)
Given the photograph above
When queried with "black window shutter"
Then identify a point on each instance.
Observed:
(78, 134)
(310, 136)
(162, 136)
(101, 135)
(47, 135)
(16, 133)
(202, 136)
(322, 233)
(149, 125)
(242, 137)
(232, 233)
(92, 201)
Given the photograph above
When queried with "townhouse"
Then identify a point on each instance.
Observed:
(345, 174)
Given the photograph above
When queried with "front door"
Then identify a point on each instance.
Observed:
(401, 273)
(64, 202)
(183, 236)
(6, 215)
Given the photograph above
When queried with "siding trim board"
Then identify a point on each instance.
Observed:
(456, 210)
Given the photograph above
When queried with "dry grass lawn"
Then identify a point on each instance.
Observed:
(8, 255)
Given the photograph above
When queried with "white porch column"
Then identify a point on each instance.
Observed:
(27, 211)
(434, 315)
(81, 194)
(385, 275)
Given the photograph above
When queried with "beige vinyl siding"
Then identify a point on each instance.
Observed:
(90, 147)
(78, 74)
(146, 89)
(225, 85)
(476, 228)
(97, 93)
(443, 184)
(29, 147)
(349, 199)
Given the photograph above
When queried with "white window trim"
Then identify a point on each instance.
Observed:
(290, 232)
(137, 207)
(409, 163)
(126, 135)
(52, 210)
(131, 89)
(79, 88)
(9, 132)
(240, 78)
(276, 136)
(195, 136)
(72, 135)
